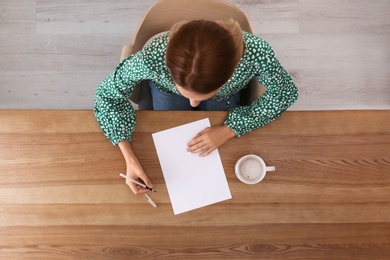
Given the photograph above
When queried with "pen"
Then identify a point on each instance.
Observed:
(136, 182)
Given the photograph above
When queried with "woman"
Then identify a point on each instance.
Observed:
(197, 65)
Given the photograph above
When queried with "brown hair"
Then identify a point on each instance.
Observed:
(202, 55)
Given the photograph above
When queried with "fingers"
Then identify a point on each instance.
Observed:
(203, 148)
(136, 189)
(207, 152)
(202, 144)
(137, 174)
(198, 147)
(146, 180)
(198, 138)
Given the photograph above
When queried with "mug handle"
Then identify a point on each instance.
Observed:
(270, 168)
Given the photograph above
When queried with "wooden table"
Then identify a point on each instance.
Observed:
(329, 198)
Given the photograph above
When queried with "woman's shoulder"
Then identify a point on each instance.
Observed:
(257, 51)
(157, 44)
(155, 49)
(252, 41)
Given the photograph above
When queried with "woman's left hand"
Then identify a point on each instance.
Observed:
(210, 139)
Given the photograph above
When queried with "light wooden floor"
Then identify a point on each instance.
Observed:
(54, 53)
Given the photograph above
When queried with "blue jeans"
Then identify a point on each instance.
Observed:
(168, 101)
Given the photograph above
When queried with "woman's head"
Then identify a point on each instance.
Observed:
(202, 55)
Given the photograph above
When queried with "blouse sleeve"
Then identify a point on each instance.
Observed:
(280, 93)
(113, 109)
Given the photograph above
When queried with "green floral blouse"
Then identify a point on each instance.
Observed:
(116, 115)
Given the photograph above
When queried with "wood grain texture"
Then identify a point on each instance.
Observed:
(113, 17)
(336, 51)
(17, 16)
(63, 87)
(61, 196)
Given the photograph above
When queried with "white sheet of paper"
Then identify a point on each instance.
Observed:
(192, 181)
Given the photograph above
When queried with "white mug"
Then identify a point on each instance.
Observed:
(251, 169)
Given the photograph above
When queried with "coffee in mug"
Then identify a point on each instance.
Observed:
(251, 169)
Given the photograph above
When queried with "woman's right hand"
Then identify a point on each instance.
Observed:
(136, 172)
(134, 169)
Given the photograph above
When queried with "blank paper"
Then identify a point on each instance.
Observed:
(192, 181)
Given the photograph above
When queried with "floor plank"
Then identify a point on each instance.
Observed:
(17, 16)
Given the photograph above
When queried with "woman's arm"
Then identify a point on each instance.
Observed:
(280, 94)
(134, 169)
